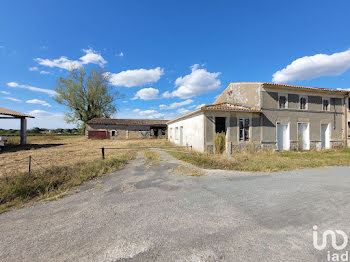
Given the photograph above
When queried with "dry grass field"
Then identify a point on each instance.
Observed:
(48, 151)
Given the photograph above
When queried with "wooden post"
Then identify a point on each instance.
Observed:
(29, 164)
(103, 153)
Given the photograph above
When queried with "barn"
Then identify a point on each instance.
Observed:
(109, 128)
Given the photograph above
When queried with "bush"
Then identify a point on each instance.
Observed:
(220, 142)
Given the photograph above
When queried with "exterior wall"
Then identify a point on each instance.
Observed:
(347, 101)
(124, 131)
(314, 115)
(232, 131)
(193, 131)
(247, 94)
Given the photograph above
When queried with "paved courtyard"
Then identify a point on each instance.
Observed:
(162, 213)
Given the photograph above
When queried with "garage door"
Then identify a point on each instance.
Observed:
(97, 134)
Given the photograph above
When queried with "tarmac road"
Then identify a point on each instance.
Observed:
(161, 213)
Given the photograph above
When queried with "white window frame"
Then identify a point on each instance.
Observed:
(329, 103)
(307, 102)
(278, 101)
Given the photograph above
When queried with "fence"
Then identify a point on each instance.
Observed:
(145, 147)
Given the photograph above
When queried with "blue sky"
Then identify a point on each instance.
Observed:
(167, 57)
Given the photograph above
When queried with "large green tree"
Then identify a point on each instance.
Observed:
(86, 95)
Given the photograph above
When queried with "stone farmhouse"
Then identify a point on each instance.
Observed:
(267, 116)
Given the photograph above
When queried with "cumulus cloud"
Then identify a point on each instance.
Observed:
(42, 72)
(13, 99)
(32, 88)
(137, 77)
(38, 102)
(149, 114)
(90, 57)
(183, 111)
(5, 92)
(147, 94)
(176, 104)
(309, 67)
(198, 82)
(33, 68)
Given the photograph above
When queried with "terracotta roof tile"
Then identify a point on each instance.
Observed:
(229, 107)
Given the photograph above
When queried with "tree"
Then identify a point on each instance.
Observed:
(86, 96)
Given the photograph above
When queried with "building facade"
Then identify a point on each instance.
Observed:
(267, 116)
(107, 128)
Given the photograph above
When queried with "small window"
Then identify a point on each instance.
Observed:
(325, 104)
(303, 103)
(113, 133)
(349, 103)
(243, 129)
(176, 133)
(282, 102)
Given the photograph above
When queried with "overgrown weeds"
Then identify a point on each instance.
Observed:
(220, 142)
(268, 161)
(21, 188)
(151, 157)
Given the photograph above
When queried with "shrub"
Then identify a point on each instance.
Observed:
(220, 142)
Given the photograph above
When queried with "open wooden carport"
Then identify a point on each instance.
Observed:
(10, 114)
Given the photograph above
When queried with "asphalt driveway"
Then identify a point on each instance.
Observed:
(162, 213)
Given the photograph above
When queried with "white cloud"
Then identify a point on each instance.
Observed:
(199, 106)
(150, 114)
(44, 72)
(46, 119)
(120, 54)
(5, 92)
(13, 99)
(124, 101)
(136, 110)
(200, 81)
(90, 57)
(33, 68)
(137, 77)
(182, 111)
(147, 94)
(176, 104)
(32, 88)
(38, 102)
(309, 67)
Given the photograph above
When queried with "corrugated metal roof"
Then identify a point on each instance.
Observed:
(114, 121)
(8, 112)
(229, 107)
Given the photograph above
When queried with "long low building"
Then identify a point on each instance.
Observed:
(109, 128)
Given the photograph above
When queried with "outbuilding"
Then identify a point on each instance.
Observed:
(109, 128)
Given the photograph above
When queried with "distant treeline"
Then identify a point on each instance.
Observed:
(36, 131)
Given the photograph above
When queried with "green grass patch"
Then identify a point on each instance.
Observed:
(268, 161)
(19, 189)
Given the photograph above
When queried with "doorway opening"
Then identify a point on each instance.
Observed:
(220, 125)
(283, 142)
(325, 136)
(303, 136)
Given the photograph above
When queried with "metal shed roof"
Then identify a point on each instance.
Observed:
(8, 112)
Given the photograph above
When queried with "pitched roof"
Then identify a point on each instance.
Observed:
(229, 107)
(129, 122)
(219, 107)
(314, 89)
(8, 112)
